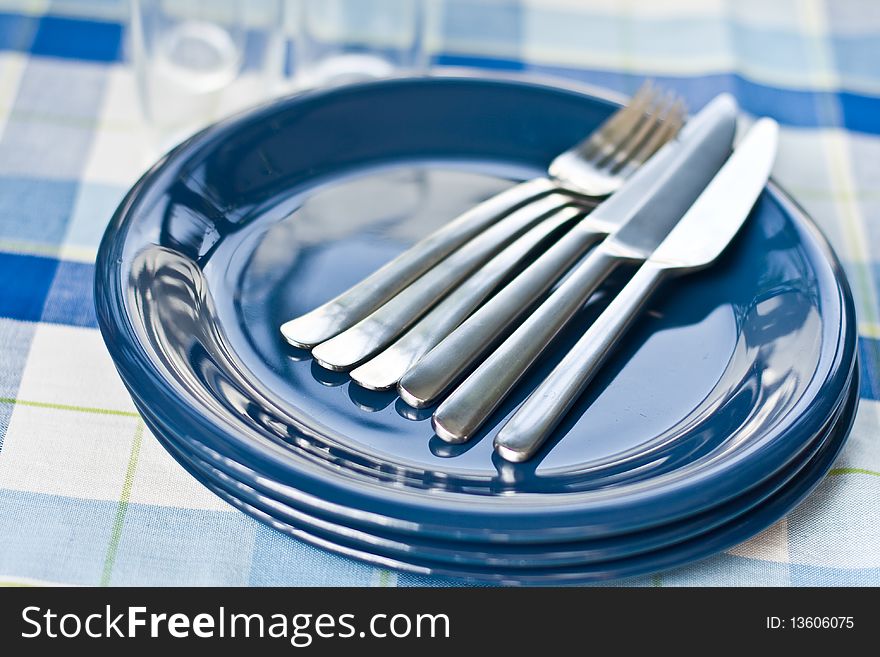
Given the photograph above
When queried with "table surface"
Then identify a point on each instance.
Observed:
(87, 495)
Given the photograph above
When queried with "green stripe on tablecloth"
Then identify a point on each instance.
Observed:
(68, 407)
(16, 585)
(119, 519)
(842, 471)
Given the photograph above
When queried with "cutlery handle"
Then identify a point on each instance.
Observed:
(384, 370)
(356, 344)
(447, 363)
(360, 300)
(533, 422)
(470, 405)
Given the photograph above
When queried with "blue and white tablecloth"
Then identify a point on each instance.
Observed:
(87, 496)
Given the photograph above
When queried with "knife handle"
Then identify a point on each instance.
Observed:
(534, 421)
(449, 361)
(357, 302)
(458, 418)
(384, 370)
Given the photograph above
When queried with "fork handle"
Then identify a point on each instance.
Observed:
(360, 300)
(545, 408)
(378, 329)
(458, 418)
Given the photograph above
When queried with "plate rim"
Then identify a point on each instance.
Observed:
(728, 534)
(180, 449)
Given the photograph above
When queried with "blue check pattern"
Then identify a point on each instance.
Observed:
(87, 496)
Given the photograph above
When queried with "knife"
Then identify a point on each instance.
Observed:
(696, 242)
(702, 145)
(470, 405)
(384, 370)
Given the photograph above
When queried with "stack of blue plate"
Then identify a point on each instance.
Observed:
(727, 403)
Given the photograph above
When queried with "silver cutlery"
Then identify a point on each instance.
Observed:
(354, 345)
(383, 371)
(590, 171)
(446, 364)
(695, 243)
(699, 157)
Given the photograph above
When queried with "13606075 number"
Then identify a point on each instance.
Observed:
(821, 622)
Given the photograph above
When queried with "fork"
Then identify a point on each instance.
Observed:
(585, 174)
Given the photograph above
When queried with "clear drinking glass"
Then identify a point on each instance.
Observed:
(198, 60)
(339, 41)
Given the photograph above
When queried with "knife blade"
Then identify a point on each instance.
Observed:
(470, 405)
(695, 242)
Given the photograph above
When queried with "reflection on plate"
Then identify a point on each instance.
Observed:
(571, 563)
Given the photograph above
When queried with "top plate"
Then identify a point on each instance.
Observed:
(722, 381)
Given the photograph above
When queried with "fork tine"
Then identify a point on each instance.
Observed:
(616, 138)
(645, 121)
(603, 139)
(610, 124)
(668, 128)
(618, 124)
(646, 134)
(671, 125)
(637, 137)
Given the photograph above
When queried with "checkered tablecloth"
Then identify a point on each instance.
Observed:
(87, 495)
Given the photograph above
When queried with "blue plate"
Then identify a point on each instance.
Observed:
(575, 563)
(238, 483)
(722, 384)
